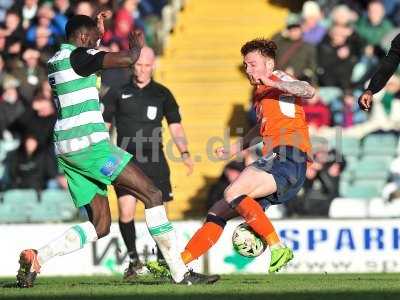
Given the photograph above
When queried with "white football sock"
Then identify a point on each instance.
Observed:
(164, 235)
(71, 240)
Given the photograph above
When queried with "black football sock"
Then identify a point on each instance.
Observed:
(128, 233)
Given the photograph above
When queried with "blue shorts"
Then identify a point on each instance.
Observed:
(288, 165)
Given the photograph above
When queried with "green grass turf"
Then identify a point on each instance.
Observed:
(248, 287)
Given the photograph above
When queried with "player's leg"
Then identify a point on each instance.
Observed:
(164, 185)
(254, 183)
(162, 231)
(70, 241)
(210, 232)
(127, 208)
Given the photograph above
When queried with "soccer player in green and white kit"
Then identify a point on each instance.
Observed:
(90, 162)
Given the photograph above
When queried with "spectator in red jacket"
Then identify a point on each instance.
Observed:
(317, 113)
(123, 25)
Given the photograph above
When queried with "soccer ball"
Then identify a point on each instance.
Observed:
(246, 242)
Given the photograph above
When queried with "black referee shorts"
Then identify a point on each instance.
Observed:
(158, 171)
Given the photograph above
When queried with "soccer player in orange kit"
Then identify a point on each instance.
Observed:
(277, 176)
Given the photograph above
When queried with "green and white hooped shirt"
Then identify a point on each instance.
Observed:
(71, 74)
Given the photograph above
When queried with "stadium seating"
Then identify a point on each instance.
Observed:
(376, 144)
(349, 147)
(367, 172)
(21, 206)
(371, 168)
(378, 208)
(20, 197)
(59, 201)
(348, 208)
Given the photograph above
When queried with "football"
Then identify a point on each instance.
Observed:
(246, 242)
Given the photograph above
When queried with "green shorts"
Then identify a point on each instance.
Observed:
(89, 171)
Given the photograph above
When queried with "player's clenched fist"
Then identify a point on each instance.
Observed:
(101, 16)
(365, 100)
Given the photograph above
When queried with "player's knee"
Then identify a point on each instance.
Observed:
(126, 214)
(126, 217)
(155, 197)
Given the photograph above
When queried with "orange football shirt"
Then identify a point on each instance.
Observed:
(281, 117)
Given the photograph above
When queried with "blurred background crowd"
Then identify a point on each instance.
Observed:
(334, 44)
(337, 45)
(30, 33)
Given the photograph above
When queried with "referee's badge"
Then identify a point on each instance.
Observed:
(151, 112)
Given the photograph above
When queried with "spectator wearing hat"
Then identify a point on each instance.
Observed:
(295, 56)
(313, 30)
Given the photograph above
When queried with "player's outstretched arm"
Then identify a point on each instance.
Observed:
(296, 88)
(125, 58)
(250, 139)
(386, 69)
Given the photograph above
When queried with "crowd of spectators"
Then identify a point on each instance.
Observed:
(30, 33)
(336, 45)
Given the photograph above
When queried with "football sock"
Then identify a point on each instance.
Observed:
(255, 217)
(204, 238)
(71, 240)
(164, 235)
(128, 233)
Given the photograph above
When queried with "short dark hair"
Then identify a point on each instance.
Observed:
(265, 47)
(78, 22)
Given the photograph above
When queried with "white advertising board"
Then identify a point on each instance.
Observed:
(106, 256)
(332, 246)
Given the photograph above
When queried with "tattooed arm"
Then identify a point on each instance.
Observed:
(296, 88)
(289, 85)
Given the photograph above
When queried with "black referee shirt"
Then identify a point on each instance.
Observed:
(139, 112)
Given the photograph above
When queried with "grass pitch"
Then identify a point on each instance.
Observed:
(231, 287)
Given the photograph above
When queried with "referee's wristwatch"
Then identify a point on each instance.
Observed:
(185, 154)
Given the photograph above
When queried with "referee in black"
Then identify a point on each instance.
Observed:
(137, 109)
(386, 69)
